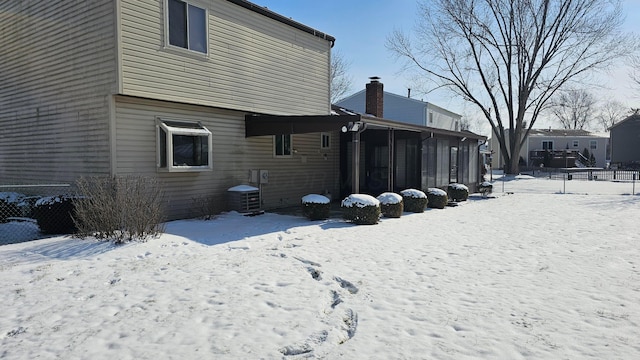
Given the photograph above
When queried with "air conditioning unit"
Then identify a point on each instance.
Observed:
(244, 199)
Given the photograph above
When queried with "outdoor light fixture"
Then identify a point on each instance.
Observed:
(354, 126)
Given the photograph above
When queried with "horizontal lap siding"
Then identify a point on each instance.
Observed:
(58, 68)
(233, 156)
(254, 63)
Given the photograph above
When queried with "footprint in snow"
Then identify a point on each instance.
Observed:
(347, 285)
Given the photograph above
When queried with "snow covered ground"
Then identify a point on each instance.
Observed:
(532, 274)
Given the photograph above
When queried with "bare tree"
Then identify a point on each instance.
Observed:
(340, 80)
(509, 57)
(610, 113)
(573, 108)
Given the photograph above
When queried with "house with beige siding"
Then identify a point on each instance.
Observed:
(162, 88)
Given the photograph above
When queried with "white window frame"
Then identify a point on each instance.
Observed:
(324, 136)
(188, 128)
(550, 142)
(593, 144)
(275, 152)
(187, 50)
(576, 143)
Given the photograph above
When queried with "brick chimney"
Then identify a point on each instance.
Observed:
(374, 97)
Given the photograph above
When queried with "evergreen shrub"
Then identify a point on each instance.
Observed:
(361, 209)
(414, 200)
(391, 204)
(316, 207)
(438, 198)
(54, 214)
(457, 192)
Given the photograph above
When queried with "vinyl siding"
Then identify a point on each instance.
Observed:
(58, 69)
(233, 156)
(625, 138)
(254, 63)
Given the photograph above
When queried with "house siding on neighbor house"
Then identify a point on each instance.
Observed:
(625, 141)
(58, 62)
(539, 140)
(408, 110)
(253, 63)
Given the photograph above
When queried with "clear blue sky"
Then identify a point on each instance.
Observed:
(362, 26)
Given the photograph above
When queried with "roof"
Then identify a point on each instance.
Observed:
(283, 19)
(404, 98)
(634, 117)
(562, 133)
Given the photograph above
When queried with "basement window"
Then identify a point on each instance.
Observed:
(187, 24)
(183, 146)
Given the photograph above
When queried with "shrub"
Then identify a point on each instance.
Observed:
(438, 198)
(391, 205)
(10, 205)
(458, 192)
(54, 214)
(414, 200)
(361, 209)
(316, 207)
(119, 208)
(485, 188)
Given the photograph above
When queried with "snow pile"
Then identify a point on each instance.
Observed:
(460, 187)
(389, 198)
(315, 199)
(360, 200)
(413, 193)
(437, 192)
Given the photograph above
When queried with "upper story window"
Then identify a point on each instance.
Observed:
(187, 25)
(282, 145)
(593, 144)
(547, 145)
(576, 143)
(183, 146)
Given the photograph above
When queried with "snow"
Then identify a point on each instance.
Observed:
(416, 194)
(10, 197)
(360, 200)
(388, 198)
(315, 199)
(243, 188)
(437, 192)
(457, 186)
(534, 272)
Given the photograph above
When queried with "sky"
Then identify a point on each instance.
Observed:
(361, 28)
(444, 284)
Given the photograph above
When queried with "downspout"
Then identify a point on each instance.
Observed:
(392, 171)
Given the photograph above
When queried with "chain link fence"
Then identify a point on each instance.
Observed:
(30, 212)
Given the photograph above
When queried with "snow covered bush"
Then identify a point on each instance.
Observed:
(316, 207)
(437, 198)
(10, 205)
(414, 200)
(54, 214)
(391, 205)
(485, 188)
(361, 209)
(458, 192)
(119, 208)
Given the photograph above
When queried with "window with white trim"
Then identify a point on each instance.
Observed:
(187, 26)
(325, 141)
(593, 144)
(183, 146)
(547, 145)
(282, 145)
(576, 143)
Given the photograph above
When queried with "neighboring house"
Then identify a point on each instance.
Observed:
(557, 148)
(406, 109)
(398, 155)
(625, 142)
(162, 88)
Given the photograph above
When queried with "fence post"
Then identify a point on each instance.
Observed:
(633, 192)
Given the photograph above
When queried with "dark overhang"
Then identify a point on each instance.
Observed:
(283, 19)
(260, 125)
